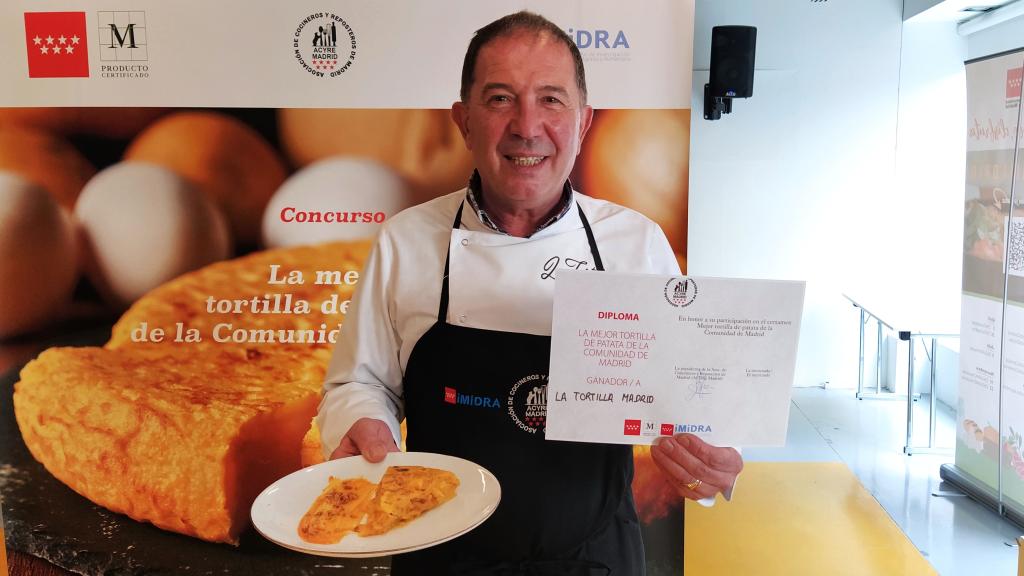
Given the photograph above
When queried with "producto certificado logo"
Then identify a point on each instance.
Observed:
(124, 44)
(324, 44)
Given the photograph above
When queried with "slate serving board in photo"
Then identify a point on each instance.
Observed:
(45, 518)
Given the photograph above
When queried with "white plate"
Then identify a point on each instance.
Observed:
(278, 509)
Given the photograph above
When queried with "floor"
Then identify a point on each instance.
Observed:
(956, 534)
(797, 519)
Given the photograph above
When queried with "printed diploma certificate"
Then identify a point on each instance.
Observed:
(637, 356)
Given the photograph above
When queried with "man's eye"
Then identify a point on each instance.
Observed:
(551, 100)
(500, 98)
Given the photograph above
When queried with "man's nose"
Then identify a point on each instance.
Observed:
(526, 122)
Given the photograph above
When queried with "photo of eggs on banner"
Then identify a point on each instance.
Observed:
(98, 206)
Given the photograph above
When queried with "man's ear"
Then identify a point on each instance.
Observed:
(460, 115)
(587, 116)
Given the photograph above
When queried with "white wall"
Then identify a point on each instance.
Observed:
(796, 183)
(930, 175)
(1006, 36)
(845, 169)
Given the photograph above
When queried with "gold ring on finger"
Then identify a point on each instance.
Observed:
(694, 485)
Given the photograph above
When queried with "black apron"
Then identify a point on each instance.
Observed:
(566, 507)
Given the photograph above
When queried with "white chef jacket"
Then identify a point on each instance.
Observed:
(396, 299)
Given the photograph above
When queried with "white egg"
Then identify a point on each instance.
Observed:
(334, 199)
(37, 256)
(145, 225)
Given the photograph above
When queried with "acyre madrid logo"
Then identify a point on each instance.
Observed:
(324, 44)
(528, 403)
(681, 292)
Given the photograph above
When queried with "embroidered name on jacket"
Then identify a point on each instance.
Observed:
(452, 396)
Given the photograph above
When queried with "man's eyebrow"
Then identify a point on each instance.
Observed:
(496, 86)
(554, 88)
(547, 88)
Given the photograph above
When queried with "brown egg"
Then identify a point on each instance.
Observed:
(424, 146)
(640, 159)
(45, 160)
(117, 123)
(229, 162)
(37, 256)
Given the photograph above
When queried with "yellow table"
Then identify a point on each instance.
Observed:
(1020, 556)
(796, 518)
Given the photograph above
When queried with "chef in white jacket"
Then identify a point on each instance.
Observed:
(455, 301)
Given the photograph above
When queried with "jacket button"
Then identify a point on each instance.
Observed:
(465, 241)
(462, 318)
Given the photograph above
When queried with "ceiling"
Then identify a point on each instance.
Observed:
(958, 10)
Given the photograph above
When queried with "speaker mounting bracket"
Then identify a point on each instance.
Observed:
(715, 106)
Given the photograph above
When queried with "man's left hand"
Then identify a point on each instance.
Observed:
(684, 459)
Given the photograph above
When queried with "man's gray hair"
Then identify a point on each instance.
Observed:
(506, 25)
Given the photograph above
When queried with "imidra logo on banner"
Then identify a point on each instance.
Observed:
(324, 44)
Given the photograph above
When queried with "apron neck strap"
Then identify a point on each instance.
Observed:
(590, 239)
(442, 309)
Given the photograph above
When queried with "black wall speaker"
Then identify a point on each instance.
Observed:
(732, 61)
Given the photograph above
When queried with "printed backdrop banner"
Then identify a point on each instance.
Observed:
(990, 423)
(165, 170)
(348, 53)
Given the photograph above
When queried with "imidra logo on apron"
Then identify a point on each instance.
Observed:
(528, 403)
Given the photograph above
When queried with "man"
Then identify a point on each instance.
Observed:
(457, 296)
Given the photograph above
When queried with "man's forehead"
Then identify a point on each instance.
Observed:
(523, 37)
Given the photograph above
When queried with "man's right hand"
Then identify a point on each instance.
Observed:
(369, 437)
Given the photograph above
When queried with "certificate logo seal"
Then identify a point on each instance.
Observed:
(528, 403)
(681, 292)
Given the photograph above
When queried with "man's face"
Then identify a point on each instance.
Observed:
(524, 120)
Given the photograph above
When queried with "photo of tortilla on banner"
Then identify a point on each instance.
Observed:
(145, 252)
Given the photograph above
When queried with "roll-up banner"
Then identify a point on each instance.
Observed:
(188, 193)
(990, 411)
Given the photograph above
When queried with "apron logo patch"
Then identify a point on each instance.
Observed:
(452, 396)
(528, 403)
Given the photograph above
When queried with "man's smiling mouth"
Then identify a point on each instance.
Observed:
(526, 161)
